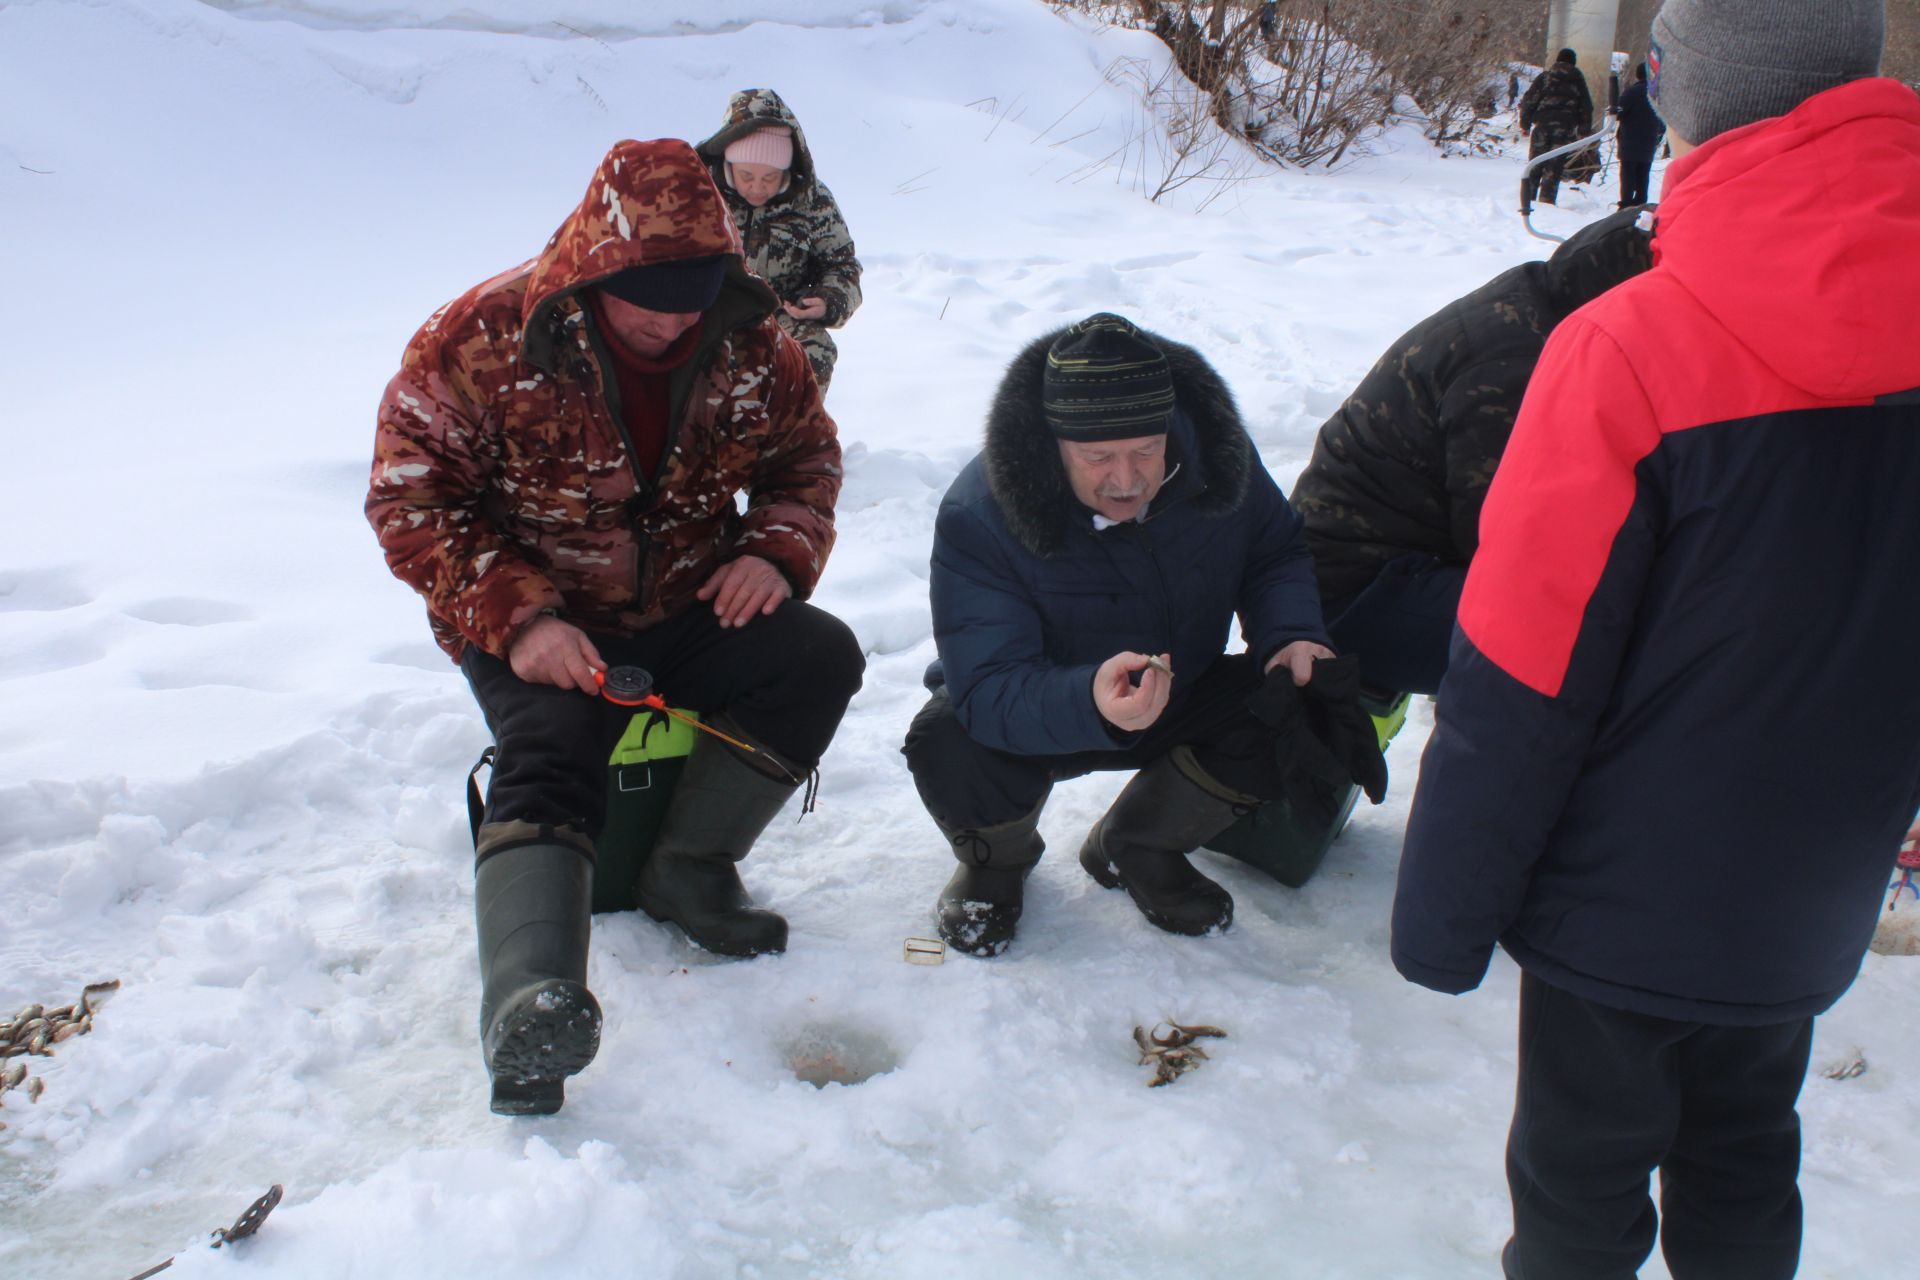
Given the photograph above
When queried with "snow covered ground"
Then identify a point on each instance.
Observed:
(231, 760)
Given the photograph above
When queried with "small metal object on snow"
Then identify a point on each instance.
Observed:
(925, 951)
(245, 1225)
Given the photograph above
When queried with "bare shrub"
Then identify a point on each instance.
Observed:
(1174, 142)
(1326, 75)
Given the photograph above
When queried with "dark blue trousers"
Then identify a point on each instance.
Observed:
(1606, 1096)
(1401, 625)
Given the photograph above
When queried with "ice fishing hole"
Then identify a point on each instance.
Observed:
(838, 1055)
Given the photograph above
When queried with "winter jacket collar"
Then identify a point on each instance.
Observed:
(1821, 205)
(1029, 482)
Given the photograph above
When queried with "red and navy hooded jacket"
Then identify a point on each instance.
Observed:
(1679, 738)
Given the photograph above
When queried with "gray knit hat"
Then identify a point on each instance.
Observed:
(1105, 380)
(1721, 64)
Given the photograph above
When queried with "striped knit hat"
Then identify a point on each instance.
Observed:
(1105, 380)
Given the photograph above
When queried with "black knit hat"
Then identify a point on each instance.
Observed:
(684, 286)
(1105, 380)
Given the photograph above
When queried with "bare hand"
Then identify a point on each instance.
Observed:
(1299, 658)
(744, 587)
(807, 308)
(550, 651)
(1125, 705)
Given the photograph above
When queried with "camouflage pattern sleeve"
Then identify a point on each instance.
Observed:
(1476, 416)
(796, 479)
(836, 271)
(433, 455)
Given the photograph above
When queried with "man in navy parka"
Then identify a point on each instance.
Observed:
(1679, 736)
(1086, 569)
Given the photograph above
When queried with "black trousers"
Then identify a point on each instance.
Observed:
(1606, 1096)
(786, 679)
(965, 784)
(1634, 177)
(1544, 183)
(1400, 625)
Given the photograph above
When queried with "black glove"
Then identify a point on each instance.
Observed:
(1326, 740)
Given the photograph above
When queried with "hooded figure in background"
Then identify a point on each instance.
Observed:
(555, 471)
(794, 236)
(1392, 496)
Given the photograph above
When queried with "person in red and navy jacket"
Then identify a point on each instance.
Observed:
(1679, 736)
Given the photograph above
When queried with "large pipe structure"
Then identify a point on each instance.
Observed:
(1587, 27)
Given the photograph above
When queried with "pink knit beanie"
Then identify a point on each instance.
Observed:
(772, 145)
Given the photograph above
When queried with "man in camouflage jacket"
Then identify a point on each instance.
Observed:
(555, 472)
(797, 241)
(1557, 109)
(1391, 498)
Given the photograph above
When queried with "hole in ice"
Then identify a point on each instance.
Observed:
(824, 1055)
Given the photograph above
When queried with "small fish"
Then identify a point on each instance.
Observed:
(1196, 1031)
(34, 1088)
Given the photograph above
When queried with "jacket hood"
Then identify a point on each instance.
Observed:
(1022, 458)
(649, 202)
(1599, 256)
(748, 110)
(1821, 205)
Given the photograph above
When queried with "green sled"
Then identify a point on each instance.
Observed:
(1290, 844)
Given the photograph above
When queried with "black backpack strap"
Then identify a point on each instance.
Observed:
(476, 798)
(1900, 398)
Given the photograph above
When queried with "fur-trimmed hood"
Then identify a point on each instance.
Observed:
(1029, 483)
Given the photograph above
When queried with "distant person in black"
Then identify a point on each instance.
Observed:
(1640, 131)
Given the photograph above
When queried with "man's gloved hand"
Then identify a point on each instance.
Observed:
(1325, 736)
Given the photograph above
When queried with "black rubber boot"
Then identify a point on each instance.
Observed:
(720, 806)
(1141, 844)
(539, 1024)
(981, 904)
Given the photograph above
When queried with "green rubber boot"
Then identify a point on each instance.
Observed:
(720, 807)
(532, 893)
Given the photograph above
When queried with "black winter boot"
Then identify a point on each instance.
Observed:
(1141, 843)
(532, 894)
(719, 808)
(981, 904)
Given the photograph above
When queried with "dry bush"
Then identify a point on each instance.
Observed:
(1174, 143)
(1330, 74)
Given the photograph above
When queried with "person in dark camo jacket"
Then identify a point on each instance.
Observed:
(1391, 498)
(1556, 109)
(795, 238)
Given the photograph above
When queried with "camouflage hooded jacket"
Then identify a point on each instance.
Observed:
(797, 242)
(503, 481)
(1558, 99)
(1403, 466)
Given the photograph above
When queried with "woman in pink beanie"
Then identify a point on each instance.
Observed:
(795, 238)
